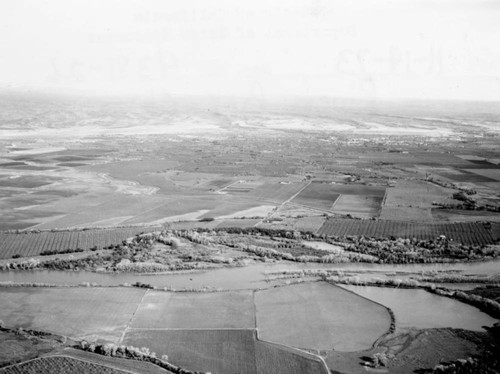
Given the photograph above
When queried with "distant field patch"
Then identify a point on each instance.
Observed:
(417, 194)
(317, 195)
(66, 310)
(461, 215)
(406, 213)
(26, 181)
(486, 173)
(469, 175)
(238, 223)
(358, 205)
(216, 351)
(206, 310)
(258, 211)
(318, 315)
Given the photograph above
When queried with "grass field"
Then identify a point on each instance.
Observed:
(87, 313)
(319, 316)
(470, 233)
(213, 310)
(216, 351)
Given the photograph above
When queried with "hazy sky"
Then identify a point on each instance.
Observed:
(347, 48)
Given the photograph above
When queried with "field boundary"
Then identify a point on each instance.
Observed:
(132, 318)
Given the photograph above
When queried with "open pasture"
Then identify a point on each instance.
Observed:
(86, 313)
(217, 351)
(471, 233)
(214, 310)
(318, 315)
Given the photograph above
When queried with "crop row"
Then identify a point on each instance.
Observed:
(469, 233)
(34, 243)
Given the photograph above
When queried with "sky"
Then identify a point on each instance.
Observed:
(441, 49)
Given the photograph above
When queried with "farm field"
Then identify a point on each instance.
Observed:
(460, 215)
(358, 205)
(212, 350)
(324, 317)
(34, 243)
(118, 168)
(470, 233)
(410, 214)
(418, 194)
(317, 195)
(86, 313)
(60, 365)
(211, 310)
(129, 366)
(273, 358)
(418, 309)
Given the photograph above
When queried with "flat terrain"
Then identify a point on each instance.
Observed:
(217, 351)
(319, 316)
(214, 310)
(420, 309)
(97, 172)
(86, 313)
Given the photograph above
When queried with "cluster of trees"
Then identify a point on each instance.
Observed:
(486, 363)
(406, 251)
(69, 250)
(20, 265)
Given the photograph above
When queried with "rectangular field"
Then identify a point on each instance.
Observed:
(276, 359)
(362, 206)
(470, 233)
(216, 351)
(318, 315)
(84, 313)
(215, 310)
(317, 195)
(486, 173)
(32, 244)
